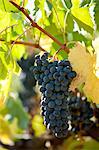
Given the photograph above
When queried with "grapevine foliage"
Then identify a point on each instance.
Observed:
(60, 21)
(74, 68)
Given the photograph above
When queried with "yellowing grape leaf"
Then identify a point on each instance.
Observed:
(81, 62)
(96, 47)
(91, 88)
(84, 64)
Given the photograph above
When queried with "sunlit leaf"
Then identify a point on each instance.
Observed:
(80, 58)
(82, 16)
(96, 47)
(85, 2)
(3, 70)
(37, 125)
(17, 69)
(69, 23)
(5, 5)
(48, 7)
(4, 19)
(18, 51)
(97, 13)
(7, 134)
(67, 3)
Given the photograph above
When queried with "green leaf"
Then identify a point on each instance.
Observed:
(67, 3)
(76, 36)
(18, 51)
(60, 5)
(79, 37)
(58, 18)
(85, 2)
(48, 8)
(97, 13)
(5, 5)
(70, 23)
(91, 144)
(3, 70)
(2, 50)
(17, 69)
(36, 8)
(73, 144)
(8, 58)
(16, 109)
(52, 28)
(62, 54)
(82, 16)
(4, 20)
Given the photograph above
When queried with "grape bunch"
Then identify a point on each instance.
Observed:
(54, 79)
(62, 109)
(28, 81)
(81, 112)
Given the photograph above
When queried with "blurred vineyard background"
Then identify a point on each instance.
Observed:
(21, 125)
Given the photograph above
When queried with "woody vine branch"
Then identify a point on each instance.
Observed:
(34, 24)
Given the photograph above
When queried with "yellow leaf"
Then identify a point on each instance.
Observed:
(82, 16)
(37, 125)
(5, 132)
(96, 47)
(1, 101)
(75, 3)
(84, 64)
(91, 88)
(4, 20)
(8, 131)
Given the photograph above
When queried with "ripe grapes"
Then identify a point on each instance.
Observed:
(62, 109)
(54, 79)
(81, 112)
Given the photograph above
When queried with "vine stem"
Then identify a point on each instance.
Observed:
(20, 36)
(56, 53)
(26, 44)
(34, 24)
(8, 28)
